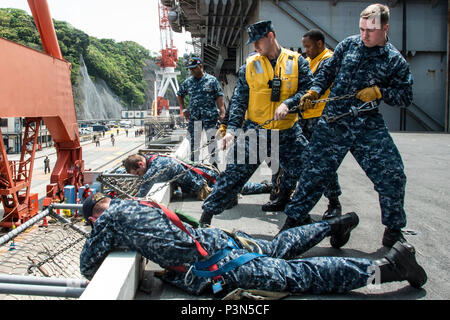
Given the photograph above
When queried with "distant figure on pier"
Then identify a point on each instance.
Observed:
(46, 165)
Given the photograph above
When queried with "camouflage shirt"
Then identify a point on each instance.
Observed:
(147, 230)
(163, 169)
(203, 94)
(354, 66)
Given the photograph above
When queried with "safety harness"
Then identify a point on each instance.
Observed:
(196, 170)
(206, 268)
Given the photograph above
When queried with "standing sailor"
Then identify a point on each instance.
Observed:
(205, 96)
(370, 66)
(269, 84)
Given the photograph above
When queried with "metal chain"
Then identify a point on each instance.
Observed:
(293, 110)
(117, 189)
(346, 96)
(259, 126)
(52, 256)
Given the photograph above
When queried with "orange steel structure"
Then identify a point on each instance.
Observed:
(168, 59)
(36, 86)
(169, 54)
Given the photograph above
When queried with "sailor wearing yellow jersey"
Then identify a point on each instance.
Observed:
(314, 44)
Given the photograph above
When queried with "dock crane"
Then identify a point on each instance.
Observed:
(36, 86)
(167, 63)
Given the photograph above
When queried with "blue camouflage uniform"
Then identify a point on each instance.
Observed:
(147, 230)
(308, 125)
(291, 143)
(163, 169)
(353, 67)
(203, 94)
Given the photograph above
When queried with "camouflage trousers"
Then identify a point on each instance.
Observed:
(280, 269)
(333, 190)
(370, 143)
(247, 189)
(195, 130)
(252, 188)
(230, 182)
(193, 183)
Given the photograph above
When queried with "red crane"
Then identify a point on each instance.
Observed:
(167, 62)
(36, 86)
(169, 54)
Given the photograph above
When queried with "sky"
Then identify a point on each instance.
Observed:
(121, 20)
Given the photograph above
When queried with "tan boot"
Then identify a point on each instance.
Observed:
(204, 192)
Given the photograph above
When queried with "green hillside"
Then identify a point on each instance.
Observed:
(120, 65)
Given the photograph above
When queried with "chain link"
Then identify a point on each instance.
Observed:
(136, 182)
(295, 109)
(259, 126)
(162, 186)
(55, 254)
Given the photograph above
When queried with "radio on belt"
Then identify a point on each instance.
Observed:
(276, 89)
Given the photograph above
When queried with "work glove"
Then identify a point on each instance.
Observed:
(306, 100)
(222, 131)
(204, 192)
(227, 141)
(369, 94)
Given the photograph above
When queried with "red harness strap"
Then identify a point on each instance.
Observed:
(176, 221)
(196, 170)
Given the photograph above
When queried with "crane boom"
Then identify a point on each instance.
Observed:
(167, 63)
(37, 86)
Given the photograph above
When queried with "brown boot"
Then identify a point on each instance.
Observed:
(204, 192)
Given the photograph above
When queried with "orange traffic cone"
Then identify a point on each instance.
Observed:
(44, 223)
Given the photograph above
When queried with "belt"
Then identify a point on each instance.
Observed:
(232, 264)
(199, 268)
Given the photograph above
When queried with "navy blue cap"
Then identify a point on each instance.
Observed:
(193, 62)
(258, 30)
(90, 202)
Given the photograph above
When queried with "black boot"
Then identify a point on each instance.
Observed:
(341, 227)
(334, 209)
(232, 203)
(400, 264)
(205, 219)
(273, 194)
(267, 187)
(278, 204)
(292, 223)
(391, 236)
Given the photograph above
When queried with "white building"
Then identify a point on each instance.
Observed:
(12, 134)
(135, 116)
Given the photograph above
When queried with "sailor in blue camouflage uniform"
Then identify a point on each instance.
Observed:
(256, 99)
(156, 233)
(205, 98)
(157, 168)
(370, 66)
